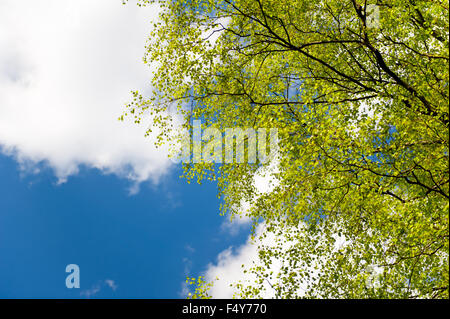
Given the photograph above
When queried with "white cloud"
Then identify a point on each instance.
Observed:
(265, 181)
(111, 284)
(88, 293)
(66, 71)
(228, 268)
(184, 291)
(96, 288)
(235, 225)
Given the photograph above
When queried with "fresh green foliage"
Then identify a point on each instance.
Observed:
(363, 123)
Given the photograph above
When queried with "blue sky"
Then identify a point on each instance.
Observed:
(144, 243)
(79, 187)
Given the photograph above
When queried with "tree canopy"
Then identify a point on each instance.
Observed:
(358, 91)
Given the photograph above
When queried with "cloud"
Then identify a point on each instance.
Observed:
(66, 71)
(236, 225)
(231, 263)
(184, 291)
(229, 266)
(265, 181)
(229, 269)
(189, 248)
(88, 293)
(111, 284)
(96, 288)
